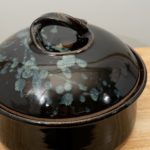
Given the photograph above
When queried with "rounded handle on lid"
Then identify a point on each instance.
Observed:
(59, 19)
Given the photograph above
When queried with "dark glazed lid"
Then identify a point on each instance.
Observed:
(63, 71)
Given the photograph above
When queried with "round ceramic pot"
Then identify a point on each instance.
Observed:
(67, 85)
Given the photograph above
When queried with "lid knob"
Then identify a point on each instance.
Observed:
(84, 37)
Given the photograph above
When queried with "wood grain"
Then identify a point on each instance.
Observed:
(140, 137)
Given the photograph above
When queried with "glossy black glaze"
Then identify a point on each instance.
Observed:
(104, 74)
(69, 87)
(41, 35)
(106, 134)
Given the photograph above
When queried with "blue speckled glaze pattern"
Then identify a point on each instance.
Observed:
(61, 86)
(30, 69)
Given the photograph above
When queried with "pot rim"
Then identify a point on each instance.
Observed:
(90, 118)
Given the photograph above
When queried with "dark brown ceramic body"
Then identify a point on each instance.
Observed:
(25, 125)
(106, 134)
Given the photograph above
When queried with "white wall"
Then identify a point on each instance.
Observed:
(129, 19)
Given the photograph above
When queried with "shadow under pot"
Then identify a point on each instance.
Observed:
(67, 85)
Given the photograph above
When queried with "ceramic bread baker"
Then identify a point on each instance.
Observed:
(66, 84)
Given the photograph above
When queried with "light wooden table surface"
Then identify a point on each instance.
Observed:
(140, 137)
